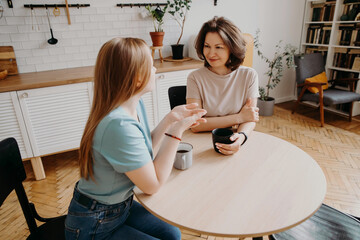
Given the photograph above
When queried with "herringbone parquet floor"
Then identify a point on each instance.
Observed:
(336, 150)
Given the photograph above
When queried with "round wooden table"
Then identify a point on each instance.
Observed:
(268, 186)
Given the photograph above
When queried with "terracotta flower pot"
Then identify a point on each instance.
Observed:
(157, 38)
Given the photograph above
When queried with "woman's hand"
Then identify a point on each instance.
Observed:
(180, 112)
(185, 123)
(229, 149)
(249, 113)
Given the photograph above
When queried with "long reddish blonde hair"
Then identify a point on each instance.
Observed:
(120, 65)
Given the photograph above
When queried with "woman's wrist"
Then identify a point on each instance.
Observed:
(243, 137)
(238, 118)
(168, 120)
(176, 130)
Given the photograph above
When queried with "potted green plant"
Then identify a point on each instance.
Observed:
(274, 73)
(157, 15)
(179, 9)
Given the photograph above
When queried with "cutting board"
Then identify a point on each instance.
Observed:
(8, 60)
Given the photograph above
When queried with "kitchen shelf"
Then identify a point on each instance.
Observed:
(55, 5)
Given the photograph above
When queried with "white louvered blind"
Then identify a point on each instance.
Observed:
(12, 123)
(166, 80)
(149, 105)
(56, 116)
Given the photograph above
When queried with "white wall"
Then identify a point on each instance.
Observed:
(92, 26)
(79, 42)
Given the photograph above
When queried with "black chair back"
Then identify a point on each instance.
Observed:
(177, 96)
(308, 65)
(12, 171)
(12, 174)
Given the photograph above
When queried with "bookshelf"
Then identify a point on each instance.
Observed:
(333, 29)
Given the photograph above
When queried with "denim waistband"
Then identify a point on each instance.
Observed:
(92, 204)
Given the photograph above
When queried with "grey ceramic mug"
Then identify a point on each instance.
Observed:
(183, 157)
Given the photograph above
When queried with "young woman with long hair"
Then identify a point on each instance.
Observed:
(117, 150)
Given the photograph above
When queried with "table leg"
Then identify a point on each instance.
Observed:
(38, 168)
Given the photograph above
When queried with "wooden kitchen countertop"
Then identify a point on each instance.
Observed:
(51, 78)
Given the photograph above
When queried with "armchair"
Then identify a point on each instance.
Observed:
(310, 65)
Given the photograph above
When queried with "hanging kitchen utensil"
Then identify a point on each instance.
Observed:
(67, 11)
(56, 11)
(52, 40)
(34, 22)
(32, 18)
(1, 9)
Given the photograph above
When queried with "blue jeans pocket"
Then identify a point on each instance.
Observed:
(71, 233)
(98, 223)
(112, 219)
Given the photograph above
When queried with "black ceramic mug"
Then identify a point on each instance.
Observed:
(221, 135)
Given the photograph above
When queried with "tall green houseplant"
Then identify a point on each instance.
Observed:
(275, 64)
(179, 9)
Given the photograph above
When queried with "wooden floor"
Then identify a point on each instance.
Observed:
(336, 148)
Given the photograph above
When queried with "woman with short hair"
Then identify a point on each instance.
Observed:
(224, 88)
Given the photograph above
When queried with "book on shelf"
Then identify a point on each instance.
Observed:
(354, 34)
(356, 64)
(354, 51)
(326, 34)
(312, 33)
(322, 11)
(329, 12)
(338, 74)
(338, 59)
(347, 58)
(317, 13)
(318, 34)
(319, 49)
(340, 50)
(347, 34)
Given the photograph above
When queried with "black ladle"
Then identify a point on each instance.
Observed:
(52, 40)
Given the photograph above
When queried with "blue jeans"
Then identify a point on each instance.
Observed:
(89, 219)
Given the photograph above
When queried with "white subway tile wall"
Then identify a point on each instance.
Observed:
(78, 44)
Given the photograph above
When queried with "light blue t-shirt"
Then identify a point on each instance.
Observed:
(120, 144)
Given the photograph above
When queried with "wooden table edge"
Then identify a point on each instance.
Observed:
(220, 234)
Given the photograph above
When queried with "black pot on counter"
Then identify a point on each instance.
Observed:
(177, 50)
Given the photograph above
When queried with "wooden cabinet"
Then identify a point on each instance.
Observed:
(332, 28)
(55, 117)
(12, 123)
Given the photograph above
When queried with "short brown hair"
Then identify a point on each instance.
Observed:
(230, 34)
